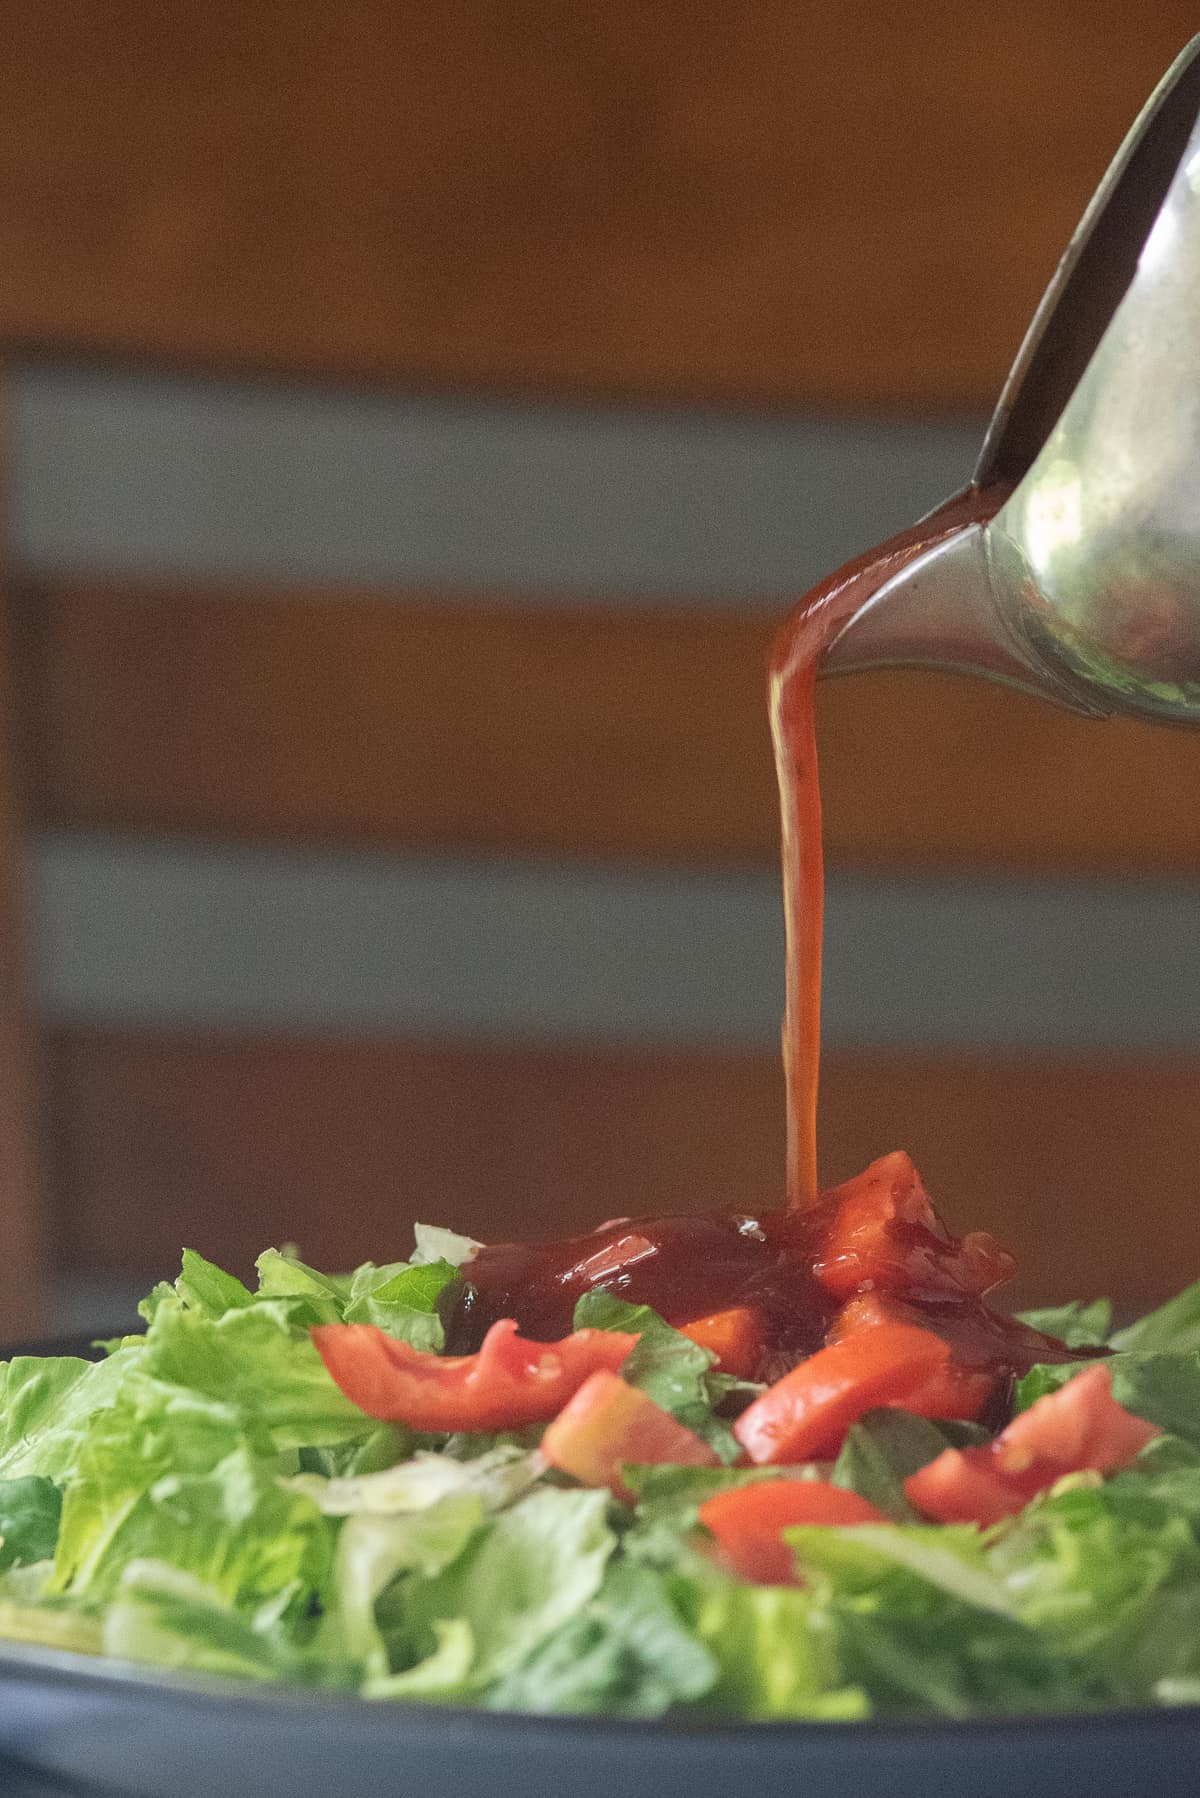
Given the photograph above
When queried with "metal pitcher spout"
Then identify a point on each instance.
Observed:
(1085, 585)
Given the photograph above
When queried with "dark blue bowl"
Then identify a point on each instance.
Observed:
(100, 1728)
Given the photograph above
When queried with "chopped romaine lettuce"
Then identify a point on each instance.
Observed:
(1079, 1325)
(206, 1499)
(30, 1510)
(519, 1578)
(669, 1368)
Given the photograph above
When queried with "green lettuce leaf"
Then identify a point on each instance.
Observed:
(408, 1300)
(924, 1623)
(201, 1287)
(627, 1653)
(441, 1676)
(1174, 1329)
(48, 1405)
(315, 1298)
(777, 1656)
(167, 1476)
(1109, 1575)
(169, 1618)
(373, 1551)
(1165, 1475)
(669, 1368)
(860, 1558)
(204, 1287)
(29, 1617)
(496, 1478)
(1079, 1325)
(519, 1578)
(30, 1509)
(386, 1444)
(148, 1308)
(256, 1363)
(468, 1445)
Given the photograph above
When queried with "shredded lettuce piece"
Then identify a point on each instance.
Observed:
(49, 1405)
(626, 1653)
(373, 1551)
(671, 1369)
(30, 1510)
(434, 1244)
(175, 1481)
(496, 1478)
(1174, 1329)
(520, 1576)
(1079, 1325)
(257, 1364)
(170, 1618)
(777, 1655)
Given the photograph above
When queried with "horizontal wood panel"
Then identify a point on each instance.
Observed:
(852, 203)
(329, 718)
(234, 1142)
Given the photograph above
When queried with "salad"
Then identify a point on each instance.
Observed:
(931, 1510)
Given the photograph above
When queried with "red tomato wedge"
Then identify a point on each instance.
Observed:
(1080, 1427)
(882, 1234)
(806, 1414)
(747, 1523)
(609, 1425)
(735, 1337)
(509, 1383)
(952, 1390)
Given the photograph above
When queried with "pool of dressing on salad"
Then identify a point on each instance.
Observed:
(687, 1267)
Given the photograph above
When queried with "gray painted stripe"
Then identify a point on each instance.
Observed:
(167, 934)
(121, 472)
(159, 933)
(97, 1304)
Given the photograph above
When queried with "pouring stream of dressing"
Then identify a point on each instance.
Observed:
(795, 662)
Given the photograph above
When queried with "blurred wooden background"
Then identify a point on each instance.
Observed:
(769, 211)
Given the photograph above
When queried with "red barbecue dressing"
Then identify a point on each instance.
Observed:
(818, 619)
(687, 1267)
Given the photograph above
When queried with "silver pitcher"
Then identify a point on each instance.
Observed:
(1085, 585)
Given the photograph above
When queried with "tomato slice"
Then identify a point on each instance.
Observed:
(952, 1390)
(747, 1522)
(608, 1425)
(1077, 1429)
(509, 1383)
(806, 1414)
(967, 1485)
(882, 1234)
(735, 1337)
(1081, 1425)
